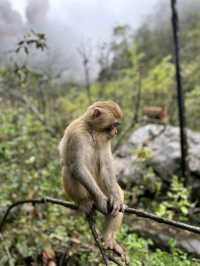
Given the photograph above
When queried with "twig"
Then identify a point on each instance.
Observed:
(91, 223)
(86, 62)
(127, 210)
(183, 226)
(87, 247)
(138, 97)
(37, 201)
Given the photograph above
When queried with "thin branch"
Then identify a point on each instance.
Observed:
(37, 201)
(85, 55)
(127, 210)
(91, 223)
(183, 226)
(138, 97)
(86, 247)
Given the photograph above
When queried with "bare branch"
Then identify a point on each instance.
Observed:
(183, 226)
(37, 201)
(91, 223)
(127, 210)
(85, 55)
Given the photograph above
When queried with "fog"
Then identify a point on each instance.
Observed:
(68, 25)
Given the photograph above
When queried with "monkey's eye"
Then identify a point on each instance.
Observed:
(109, 128)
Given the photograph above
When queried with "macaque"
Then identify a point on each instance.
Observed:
(88, 173)
(157, 113)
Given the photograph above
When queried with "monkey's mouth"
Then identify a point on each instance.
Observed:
(112, 130)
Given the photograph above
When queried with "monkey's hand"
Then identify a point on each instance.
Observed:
(115, 205)
(87, 206)
(101, 203)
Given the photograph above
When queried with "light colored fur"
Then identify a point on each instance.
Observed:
(85, 145)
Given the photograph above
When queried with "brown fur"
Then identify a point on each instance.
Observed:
(158, 113)
(88, 173)
(111, 106)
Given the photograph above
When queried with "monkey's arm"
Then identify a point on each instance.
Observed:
(109, 177)
(112, 188)
(81, 172)
(82, 175)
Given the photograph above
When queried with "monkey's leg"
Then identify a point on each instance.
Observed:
(113, 224)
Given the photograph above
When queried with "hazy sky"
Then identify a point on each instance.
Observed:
(94, 19)
(69, 24)
(72, 24)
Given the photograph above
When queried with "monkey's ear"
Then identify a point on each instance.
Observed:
(96, 112)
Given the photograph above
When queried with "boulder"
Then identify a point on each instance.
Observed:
(163, 142)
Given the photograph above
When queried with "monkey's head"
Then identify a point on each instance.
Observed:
(104, 117)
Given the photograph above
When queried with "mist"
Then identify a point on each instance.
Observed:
(60, 56)
(69, 26)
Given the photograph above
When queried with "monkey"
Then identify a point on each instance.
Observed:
(158, 113)
(88, 173)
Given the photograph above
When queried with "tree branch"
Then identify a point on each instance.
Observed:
(127, 210)
(183, 226)
(37, 201)
(91, 223)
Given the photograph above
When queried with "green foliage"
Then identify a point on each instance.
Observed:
(160, 79)
(27, 161)
(30, 168)
(32, 38)
(140, 252)
(177, 203)
(143, 153)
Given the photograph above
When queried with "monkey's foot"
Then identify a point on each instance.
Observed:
(113, 245)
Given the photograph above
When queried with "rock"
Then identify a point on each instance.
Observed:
(164, 144)
(161, 235)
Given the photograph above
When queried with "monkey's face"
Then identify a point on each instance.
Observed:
(111, 130)
(104, 121)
